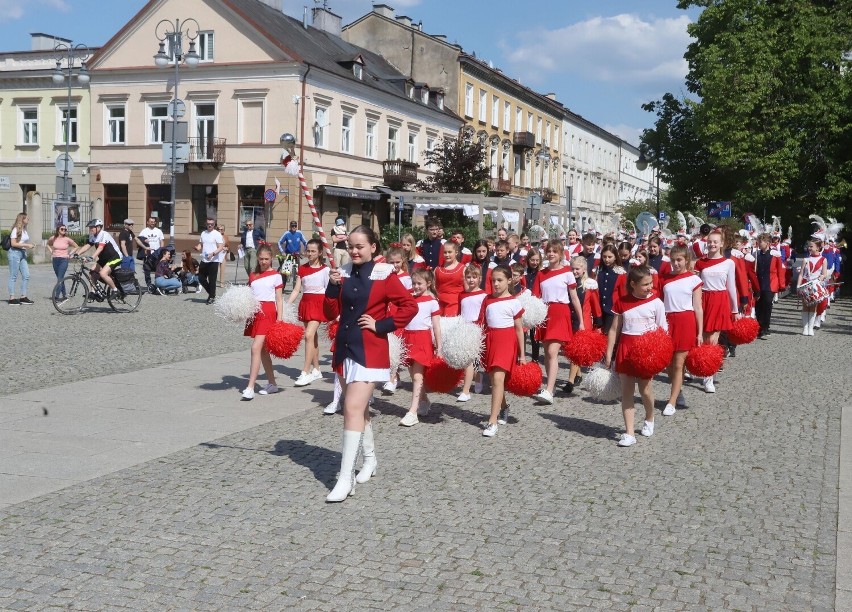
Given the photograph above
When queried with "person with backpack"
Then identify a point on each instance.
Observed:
(19, 244)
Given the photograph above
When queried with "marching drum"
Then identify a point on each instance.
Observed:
(812, 292)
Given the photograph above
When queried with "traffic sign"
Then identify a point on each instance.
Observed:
(177, 109)
(663, 216)
(269, 195)
(63, 162)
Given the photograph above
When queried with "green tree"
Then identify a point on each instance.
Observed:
(459, 167)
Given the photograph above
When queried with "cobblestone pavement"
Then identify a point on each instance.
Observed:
(732, 504)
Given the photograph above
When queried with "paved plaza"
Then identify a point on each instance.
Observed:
(190, 499)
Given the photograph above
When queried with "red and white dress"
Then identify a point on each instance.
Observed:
(719, 294)
(314, 283)
(498, 316)
(639, 316)
(678, 290)
(263, 286)
(699, 248)
(570, 250)
(554, 289)
(449, 282)
(418, 333)
(470, 304)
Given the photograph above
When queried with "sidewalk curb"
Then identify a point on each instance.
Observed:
(843, 572)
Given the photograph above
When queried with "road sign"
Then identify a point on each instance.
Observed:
(719, 209)
(269, 195)
(663, 216)
(181, 153)
(61, 166)
(177, 109)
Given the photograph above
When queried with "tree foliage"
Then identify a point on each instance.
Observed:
(459, 167)
(770, 121)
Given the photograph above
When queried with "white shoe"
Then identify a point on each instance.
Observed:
(332, 408)
(463, 397)
(490, 430)
(248, 394)
(681, 400)
(303, 379)
(709, 386)
(669, 410)
(368, 448)
(424, 407)
(269, 390)
(315, 375)
(627, 440)
(346, 481)
(544, 396)
(409, 420)
(389, 388)
(687, 377)
(648, 428)
(477, 387)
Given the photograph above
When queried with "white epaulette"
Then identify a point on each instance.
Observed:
(590, 283)
(380, 271)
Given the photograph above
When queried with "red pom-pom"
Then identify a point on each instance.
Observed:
(705, 359)
(744, 331)
(331, 329)
(524, 379)
(649, 354)
(585, 348)
(440, 377)
(283, 339)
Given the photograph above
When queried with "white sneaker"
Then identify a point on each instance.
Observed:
(424, 408)
(389, 388)
(626, 440)
(648, 428)
(463, 397)
(315, 375)
(544, 396)
(269, 390)
(248, 394)
(709, 387)
(669, 410)
(332, 408)
(490, 430)
(303, 379)
(409, 420)
(687, 377)
(477, 387)
(681, 400)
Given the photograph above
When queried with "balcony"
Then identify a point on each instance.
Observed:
(397, 173)
(499, 186)
(207, 151)
(523, 140)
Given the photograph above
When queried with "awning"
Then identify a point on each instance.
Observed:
(350, 192)
(512, 216)
(470, 210)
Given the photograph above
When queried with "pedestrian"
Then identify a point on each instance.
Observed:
(126, 242)
(107, 253)
(60, 245)
(638, 313)
(361, 356)
(557, 287)
(682, 299)
(266, 284)
(149, 240)
(770, 275)
(414, 258)
(533, 265)
(590, 303)
(227, 255)
(470, 305)
(293, 243)
(165, 279)
(422, 336)
(250, 239)
(211, 245)
(396, 257)
(449, 280)
(481, 259)
(20, 241)
(611, 277)
(339, 234)
(430, 247)
(814, 269)
(500, 315)
(188, 272)
(311, 282)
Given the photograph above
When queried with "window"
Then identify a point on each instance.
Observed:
(371, 139)
(346, 134)
(492, 161)
(538, 130)
(358, 71)
(505, 165)
(519, 118)
(320, 123)
(424, 95)
(439, 100)
(68, 125)
(547, 133)
(430, 146)
(158, 114)
(116, 124)
(157, 205)
(115, 206)
(412, 146)
(251, 119)
(205, 131)
(393, 142)
(516, 178)
(205, 46)
(29, 126)
(483, 105)
(555, 144)
(495, 111)
(205, 204)
(468, 100)
(529, 122)
(507, 116)
(252, 205)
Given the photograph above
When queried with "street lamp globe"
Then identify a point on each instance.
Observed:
(642, 162)
(83, 75)
(161, 59)
(191, 58)
(57, 76)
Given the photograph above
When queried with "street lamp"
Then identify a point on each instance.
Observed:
(543, 157)
(172, 34)
(70, 54)
(641, 166)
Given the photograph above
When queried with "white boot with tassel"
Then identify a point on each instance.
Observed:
(349, 454)
(368, 444)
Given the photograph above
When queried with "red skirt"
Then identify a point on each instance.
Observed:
(419, 343)
(717, 311)
(449, 310)
(501, 348)
(683, 328)
(310, 308)
(557, 326)
(262, 321)
(625, 341)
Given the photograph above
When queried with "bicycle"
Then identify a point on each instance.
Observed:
(76, 290)
(287, 266)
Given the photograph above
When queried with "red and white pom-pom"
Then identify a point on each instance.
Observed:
(585, 348)
(649, 354)
(705, 359)
(603, 384)
(440, 377)
(397, 351)
(462, 343)
(283, 339)
(331, 329)
(291, 166)
(743, 331)
(535, 310)
(525, 379)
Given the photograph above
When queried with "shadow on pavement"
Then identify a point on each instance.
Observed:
(581, 426)
(228, 382)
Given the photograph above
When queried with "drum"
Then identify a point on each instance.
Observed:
(812, 292)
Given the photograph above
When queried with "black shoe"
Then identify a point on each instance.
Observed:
(568, 388)
(26, 301)
(503, 417)
(578, 380)
(14, 302)
(732, 350)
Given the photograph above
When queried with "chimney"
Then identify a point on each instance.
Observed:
(550, 95)
(441, 37)
(278, 5)
(384, 10)
(406, 21)
(325, 20)
(45, 42)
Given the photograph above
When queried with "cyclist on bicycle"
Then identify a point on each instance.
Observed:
(292, 243)
(107, 253)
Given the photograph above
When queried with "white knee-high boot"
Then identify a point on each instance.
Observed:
(349, 454)
(805, 330)
(812, 319)
(368, 445)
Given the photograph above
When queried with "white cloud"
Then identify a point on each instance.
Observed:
(11, 10)
(621, 49)
(627, 132)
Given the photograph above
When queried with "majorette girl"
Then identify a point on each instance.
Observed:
(470, 305)
(311, 281)
(396, 257)
(449, 280)
(587, 293)
(814, 268)
(266, 284)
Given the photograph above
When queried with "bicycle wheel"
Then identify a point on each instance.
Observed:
(127, 302)
(70, 295)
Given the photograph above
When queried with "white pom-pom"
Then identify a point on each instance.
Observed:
(291, 314)
(462, 343)
(237, 304)
(397, 351)
(535, 311)
(603, 384)
(448, 324)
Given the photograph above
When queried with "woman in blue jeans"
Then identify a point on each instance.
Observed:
(165, 279)
(60, 245)
(18, 260)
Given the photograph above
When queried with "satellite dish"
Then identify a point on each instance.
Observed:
(645, 223)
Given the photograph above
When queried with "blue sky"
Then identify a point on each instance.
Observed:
(602, 58)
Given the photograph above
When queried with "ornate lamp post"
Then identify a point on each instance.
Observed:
(70, 54)
(641, 166)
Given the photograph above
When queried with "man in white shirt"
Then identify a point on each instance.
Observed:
(149, 239)
(211, 245)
